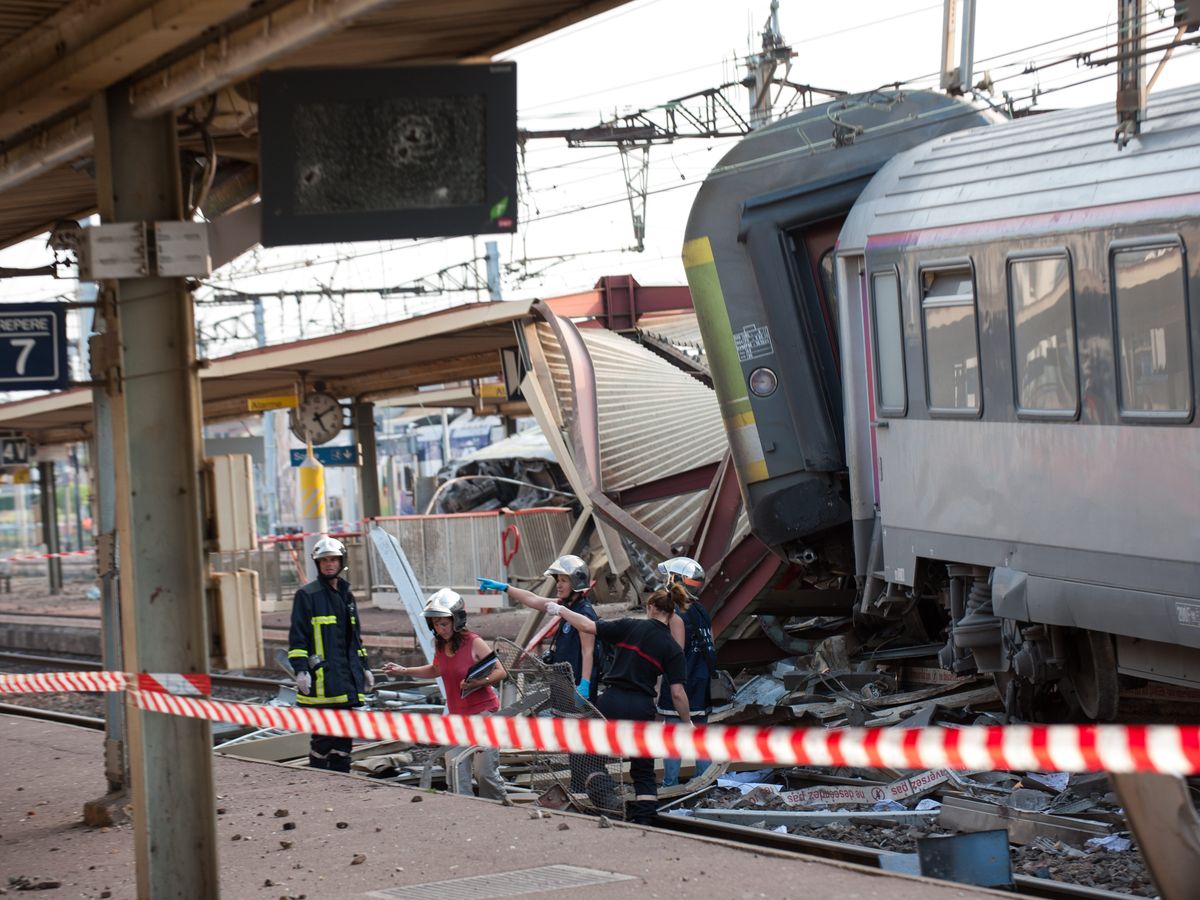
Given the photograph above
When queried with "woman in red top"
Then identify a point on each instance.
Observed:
(457, 651)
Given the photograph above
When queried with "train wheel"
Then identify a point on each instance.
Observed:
(1089, 682)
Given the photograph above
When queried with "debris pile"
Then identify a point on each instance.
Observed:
(1049, 824)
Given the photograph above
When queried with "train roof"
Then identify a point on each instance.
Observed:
(832, 141)
(1038, 166)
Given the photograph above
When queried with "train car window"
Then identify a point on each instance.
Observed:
(951, 339)
(1045, 373)
(1154, 368)
(892, 397)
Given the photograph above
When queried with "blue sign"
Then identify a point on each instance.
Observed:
(329, 456)
(33, 347)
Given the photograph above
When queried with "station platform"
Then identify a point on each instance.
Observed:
(396, 842)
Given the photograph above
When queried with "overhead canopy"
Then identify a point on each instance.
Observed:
(457, 344)
(454, 345)
(55, 56)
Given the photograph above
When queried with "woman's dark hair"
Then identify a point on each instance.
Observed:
(455, 641)
(670, 599)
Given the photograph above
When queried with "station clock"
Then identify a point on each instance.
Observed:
(318, 418)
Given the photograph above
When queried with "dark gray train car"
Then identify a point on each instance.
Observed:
(1006, 378)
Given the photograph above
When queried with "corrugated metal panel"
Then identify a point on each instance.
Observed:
(655, 421)
(673, 519)
(62, 193)
(680, 330)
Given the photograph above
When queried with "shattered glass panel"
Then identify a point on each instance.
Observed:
(387, 155)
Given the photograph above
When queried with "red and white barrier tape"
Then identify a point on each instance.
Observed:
(52, 682)
(186, 685)
(1061, 748)
(1167, 749)
(86, 551)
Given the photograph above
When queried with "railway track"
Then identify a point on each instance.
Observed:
(61, 663)
(52, 715)
(1024, 885)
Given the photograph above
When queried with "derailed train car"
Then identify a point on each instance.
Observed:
(955, 357)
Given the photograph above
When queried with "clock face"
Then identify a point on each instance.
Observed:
(318, 418)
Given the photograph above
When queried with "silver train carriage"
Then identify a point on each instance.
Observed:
(955, 357)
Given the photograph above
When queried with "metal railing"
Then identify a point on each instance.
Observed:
(450, 550)
(444, 550)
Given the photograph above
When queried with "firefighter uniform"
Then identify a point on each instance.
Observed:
(325, 641)
(643, 650)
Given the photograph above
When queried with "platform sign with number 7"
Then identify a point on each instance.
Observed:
(33, 347)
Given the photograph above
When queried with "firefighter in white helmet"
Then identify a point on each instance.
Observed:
(325, 649)
(572, 584)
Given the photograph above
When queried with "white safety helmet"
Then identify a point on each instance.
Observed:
(574, 568)
(685, 571)
(446, 604)
(327, 547)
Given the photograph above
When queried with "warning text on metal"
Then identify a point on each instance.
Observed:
(33, 347)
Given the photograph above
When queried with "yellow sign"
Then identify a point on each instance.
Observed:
(258, 404)
(492, 391)
(21, 475)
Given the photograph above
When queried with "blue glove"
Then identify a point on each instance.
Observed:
(487, 584)
(583, 688)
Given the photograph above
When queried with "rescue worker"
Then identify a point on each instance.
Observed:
(457, 651)
(570, 645)
(692, 629)
(325, 650)
(643, 651)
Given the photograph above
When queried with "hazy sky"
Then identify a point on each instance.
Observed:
(644, 54)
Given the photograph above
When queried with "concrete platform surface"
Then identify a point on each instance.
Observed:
(406, 838)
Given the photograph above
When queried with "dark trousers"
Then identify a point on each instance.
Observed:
(332, 753)
(588, 773)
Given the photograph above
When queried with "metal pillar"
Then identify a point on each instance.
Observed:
(368, 475)
(48, 499)
(76, 499)
(958, 28)
(368, 472)
(1131, 72)
(270, 460)
(157, 440)
(313, 521)
(493, 271)
(116, 767)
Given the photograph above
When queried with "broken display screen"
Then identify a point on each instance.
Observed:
(376, 154)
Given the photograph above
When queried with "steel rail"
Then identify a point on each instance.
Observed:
(36, 712)
(242, 681)
(1025, 885)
